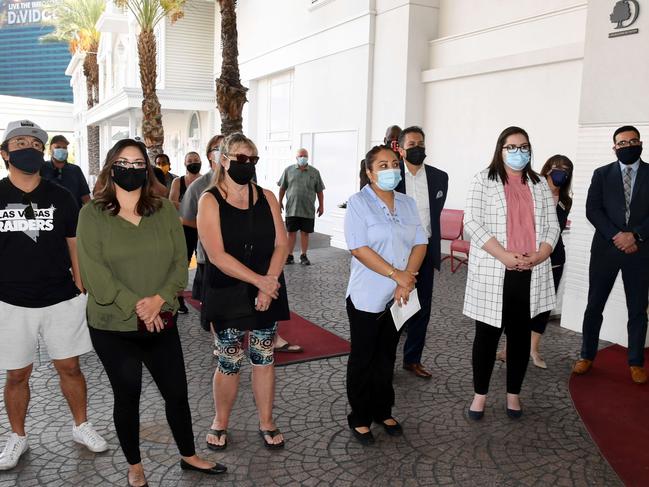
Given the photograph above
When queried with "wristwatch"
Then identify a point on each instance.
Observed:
(637, 237)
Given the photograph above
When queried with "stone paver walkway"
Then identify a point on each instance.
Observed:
(549, 446)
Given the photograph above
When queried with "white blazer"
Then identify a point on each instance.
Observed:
(485, 217)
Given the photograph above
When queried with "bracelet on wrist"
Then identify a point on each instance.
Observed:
(391, 273)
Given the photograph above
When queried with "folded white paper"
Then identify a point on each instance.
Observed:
(401, 314)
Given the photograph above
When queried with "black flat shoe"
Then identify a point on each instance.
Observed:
(475, 415)
(514, 413)
(215, 470)
(363, 438)
(393, 429)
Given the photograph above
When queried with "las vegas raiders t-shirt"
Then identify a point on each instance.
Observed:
(35, 267)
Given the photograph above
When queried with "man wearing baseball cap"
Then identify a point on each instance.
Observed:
(41, 292)
(60, 172)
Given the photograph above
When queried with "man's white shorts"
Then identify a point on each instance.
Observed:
(62, 328)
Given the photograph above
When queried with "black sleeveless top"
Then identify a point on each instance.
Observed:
(235, 230)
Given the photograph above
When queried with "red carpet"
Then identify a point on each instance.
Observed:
(616, 414)
(316, 342)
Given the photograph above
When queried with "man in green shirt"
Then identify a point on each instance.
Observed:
(301, 183)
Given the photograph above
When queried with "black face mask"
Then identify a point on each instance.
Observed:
(416, 155)
(129, 179)
(27, 160)
(194, 167)
(241, 172)
(628, 155)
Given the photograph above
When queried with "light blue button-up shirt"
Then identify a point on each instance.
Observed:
(369, 223)
(634, 172)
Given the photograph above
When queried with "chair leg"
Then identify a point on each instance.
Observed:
(453, 268)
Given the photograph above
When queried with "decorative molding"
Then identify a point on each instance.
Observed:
(553, 55)
(507, 25)
(315, 4)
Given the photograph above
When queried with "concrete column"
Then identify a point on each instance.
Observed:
(614, 93)
(402, 31)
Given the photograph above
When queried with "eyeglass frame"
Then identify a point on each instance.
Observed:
(35, 144)
(123, 163)
(513, 148)
(629, 143)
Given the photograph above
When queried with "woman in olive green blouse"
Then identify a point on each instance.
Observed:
(133, 261)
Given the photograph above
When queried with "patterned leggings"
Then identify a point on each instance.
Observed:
(229, 345)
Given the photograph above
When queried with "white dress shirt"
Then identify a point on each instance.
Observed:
(417, 188)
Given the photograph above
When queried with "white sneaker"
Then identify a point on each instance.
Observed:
(86, 435)
(15, 447)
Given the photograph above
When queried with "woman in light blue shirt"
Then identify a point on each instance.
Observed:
(388, 245)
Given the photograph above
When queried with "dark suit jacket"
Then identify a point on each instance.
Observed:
(605, 207)
(437, 183)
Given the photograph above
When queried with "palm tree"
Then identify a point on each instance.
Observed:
(230, 93)
(148, 14)
(74, 22)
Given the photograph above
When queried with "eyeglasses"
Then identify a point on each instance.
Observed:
(242, 158)
(511, 148)
(129, 165)
(29, 209)
(24, 143)
(627, 143)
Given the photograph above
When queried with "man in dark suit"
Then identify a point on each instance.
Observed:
(427, 186)
(618, 207)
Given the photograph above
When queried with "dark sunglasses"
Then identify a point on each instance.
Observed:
(243, 159)
(29, 210)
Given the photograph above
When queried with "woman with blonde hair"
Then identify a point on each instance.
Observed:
(241, 229)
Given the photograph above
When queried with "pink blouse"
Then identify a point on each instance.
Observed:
(521, 233)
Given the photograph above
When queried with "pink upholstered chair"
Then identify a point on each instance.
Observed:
(452, 228)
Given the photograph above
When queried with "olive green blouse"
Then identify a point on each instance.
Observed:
(122, 263)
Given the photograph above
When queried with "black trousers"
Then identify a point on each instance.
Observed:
(601, 277)
(370, 367)
(122, 354)
(418, 324)
(191, 240)
(540, 321)
(516, 324)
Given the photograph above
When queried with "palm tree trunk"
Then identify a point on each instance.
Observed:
(230, 93)
(91, 73)
(152, 129)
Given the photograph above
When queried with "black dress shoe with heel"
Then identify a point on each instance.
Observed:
(215, 470)
(475, 415)
(514, 413)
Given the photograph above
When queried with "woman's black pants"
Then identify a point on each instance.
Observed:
(122, 354)
(516, 324)
(370, 367)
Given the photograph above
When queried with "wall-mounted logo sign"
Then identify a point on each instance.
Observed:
(625, 14)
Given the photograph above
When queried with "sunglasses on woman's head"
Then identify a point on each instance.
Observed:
(243, 159)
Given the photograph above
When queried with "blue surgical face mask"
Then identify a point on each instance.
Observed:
(388, 179)
(517, 160)
(558, 177)
(60, 154)
(302, 161)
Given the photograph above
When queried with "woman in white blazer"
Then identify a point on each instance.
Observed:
(511, 220)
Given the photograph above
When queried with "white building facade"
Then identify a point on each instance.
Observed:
(332, 75)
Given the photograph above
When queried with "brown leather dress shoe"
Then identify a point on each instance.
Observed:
(582, 366)
(638, 374)
(418, 370)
